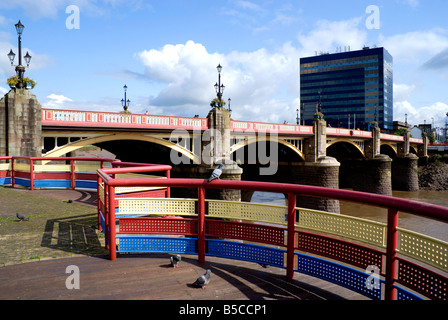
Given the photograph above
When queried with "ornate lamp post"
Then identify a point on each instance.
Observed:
(219, 87)
(125, 103)
(20, 69)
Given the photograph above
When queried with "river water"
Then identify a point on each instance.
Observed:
(425, 226)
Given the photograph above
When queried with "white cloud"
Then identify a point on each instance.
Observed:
(331, 34)
(56, 101)
(415, 116)
(255, 81)
(415, 47)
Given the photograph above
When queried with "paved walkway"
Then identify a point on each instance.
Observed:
(145, 276)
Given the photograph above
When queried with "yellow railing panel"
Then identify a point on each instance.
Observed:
(424, 248)
(5, 166)
(156, 206)
(24, 167)
(247, 211)
(52, 168)
(346, 226)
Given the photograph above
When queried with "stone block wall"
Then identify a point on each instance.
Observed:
(20, 124)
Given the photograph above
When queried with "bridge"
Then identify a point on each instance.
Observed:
(317, 155)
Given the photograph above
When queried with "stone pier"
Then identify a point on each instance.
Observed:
(20, 123)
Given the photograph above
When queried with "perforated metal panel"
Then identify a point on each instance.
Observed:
(342, 225)
(422, 280)
(156, 244)
(423, 248)
(348, 252)
(339, 274)
(406, 295)
(156, 206)
(247, 211)
(158, 226)
(245, 231)
(247, 252)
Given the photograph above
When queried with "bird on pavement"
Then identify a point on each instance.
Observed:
(175, 260)
(21, 217)
(203, 280)
(216, 173)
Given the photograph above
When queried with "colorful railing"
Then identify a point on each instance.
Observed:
(72, 173)
(334, 247)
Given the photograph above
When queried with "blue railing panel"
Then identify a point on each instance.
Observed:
(247, 252)
(156, 244)
(339, 274)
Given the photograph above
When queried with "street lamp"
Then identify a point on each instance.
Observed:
(218, 86)
(230, 110)
(125, 103)
(20, 69)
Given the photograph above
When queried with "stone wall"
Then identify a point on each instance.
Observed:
(20, 124)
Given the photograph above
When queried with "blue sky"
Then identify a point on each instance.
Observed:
(166, 52)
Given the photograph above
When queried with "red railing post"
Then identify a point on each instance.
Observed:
(291, 235)
(31, 175)
(72, 169)
(98, 201)
(112, 239)
(168, 190)
(106, 216)
(391, 254)
(12, 172)
(201, 224)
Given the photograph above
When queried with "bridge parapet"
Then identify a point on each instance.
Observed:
(70, 118)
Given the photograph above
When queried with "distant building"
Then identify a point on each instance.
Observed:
(355, 88)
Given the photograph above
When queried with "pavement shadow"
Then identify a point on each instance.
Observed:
(76, 234)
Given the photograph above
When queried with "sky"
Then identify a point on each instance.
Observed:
(166, 52)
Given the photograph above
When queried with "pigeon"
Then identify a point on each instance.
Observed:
(175, 260)
(203, 280)
(21, 217)
(216, 173)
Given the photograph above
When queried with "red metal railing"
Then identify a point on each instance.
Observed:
(32, 176)
(296, 240)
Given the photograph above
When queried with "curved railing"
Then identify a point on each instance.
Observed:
(378, 260)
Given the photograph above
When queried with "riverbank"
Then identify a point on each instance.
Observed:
(433, 176)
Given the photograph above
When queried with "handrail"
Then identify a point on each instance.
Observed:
(383, 201)
(394, 206)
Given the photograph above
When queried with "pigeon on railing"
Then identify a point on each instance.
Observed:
(21, 217)
(175, 260)
(216, 173)
(203, 280)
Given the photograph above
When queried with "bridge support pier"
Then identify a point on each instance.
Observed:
(372, 175)
(322, 173)
(20, 124)
(405, 173)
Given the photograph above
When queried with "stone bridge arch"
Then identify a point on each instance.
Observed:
(257, 139)
(100, 140)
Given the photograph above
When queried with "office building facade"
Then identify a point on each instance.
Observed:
(354, 88)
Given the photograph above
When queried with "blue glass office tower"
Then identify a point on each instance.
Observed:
(354, 87)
